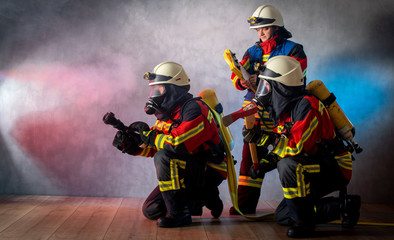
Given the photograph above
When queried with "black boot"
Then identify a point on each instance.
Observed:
(327, 209)
(175, 221)
(177, 212)
(300, 231)
(350, 210)
(301, 211)
(216, 207)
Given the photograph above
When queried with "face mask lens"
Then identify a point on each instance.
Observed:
(156, 91)
(263, 89)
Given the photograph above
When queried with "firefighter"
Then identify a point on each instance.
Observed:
(311, 159)
(186, 148)
(273, 41)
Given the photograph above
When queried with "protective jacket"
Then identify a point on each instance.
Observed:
(191, 130)
(305, 130)
(262, 51)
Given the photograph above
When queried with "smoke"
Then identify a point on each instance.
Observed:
(65, 63)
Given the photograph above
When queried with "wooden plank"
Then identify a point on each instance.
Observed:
(130, 223)
(42, 221)
(90, 220)
(43, 217)
(15, 207)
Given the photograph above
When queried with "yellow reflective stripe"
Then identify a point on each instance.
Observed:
(300, 180)
(313, 168)
(321, 107)
(265, 57)
(210, 117)
(175, 183)
(167, 185)
(302, 189)
(263, 140)
(283, 149)
(304, 72)
(221, 166)
(345, 161)
(159, 141)
(181, 138)
(290, 193)
(145, 151)
(250, 182)
(246, 65)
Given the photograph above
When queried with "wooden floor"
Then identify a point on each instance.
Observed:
(55, 217)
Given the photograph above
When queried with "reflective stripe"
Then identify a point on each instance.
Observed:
(246, 65)
(313, 168)
(302, 189)
(345, 161)
(145, 152)
(175, 183)
(321, 108)
(265, 57)
(250, 182)
(283, 149)
(221, 167)
(159, 141)
(181, 138)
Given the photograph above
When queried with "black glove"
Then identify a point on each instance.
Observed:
(138, 126)
(252, 135)
(267, 139)
(147, 136)
(127, 142)
(267, 164)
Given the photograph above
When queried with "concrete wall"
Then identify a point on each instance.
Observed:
(64, 64)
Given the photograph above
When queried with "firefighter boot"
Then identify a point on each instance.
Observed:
(177, 213)
(350, 210)
(215, 204)
(301, 211)
(327, 209)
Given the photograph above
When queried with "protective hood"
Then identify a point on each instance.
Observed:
(174, 96)
(284, 98)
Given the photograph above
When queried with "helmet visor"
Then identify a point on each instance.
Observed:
(257, 21)
(154, 78)
(157, 90)
(263, 89)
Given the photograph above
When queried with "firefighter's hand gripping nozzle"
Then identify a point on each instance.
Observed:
(125, 140)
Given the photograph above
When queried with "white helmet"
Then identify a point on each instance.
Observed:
(168, 73)
(283, 69)
(265, 16)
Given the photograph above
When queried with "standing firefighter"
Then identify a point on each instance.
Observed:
(312, 160)
(185, 145)
(273, 41)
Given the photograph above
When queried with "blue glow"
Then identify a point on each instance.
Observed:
(361, 91)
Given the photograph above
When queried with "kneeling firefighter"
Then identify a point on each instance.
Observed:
(311, 159)
(185, 145)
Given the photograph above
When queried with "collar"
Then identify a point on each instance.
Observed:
(269, 45)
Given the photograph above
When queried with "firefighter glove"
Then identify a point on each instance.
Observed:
(127, 142)
(252, 135)
(148, 137)
(266, 164)
(268, 140)
(138, 126)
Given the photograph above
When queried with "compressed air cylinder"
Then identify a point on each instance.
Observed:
(209, 97)
(338, 117)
